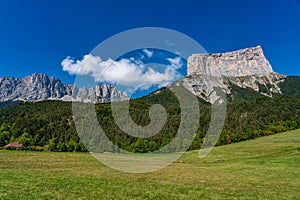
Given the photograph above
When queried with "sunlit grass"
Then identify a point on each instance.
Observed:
(264, 168)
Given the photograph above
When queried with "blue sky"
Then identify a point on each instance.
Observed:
(35, 36)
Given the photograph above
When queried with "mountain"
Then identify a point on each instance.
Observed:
(41, 87)
(260, 102)
(242, 75)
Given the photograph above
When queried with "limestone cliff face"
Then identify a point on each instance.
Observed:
(41, 87)
(232, 73)
(244, 62)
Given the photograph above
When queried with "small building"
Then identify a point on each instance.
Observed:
(13, 145)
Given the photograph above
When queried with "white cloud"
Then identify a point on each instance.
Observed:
(148, 52)
(176, 63)
(127, 72)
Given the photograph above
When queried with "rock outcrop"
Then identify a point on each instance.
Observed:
(213, 89)
(213, 76)
(244, 62)
(41, 87)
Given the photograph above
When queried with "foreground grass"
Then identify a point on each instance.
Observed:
(264, 168)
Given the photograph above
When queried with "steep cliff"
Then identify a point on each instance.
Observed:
(244, 62)
(241, 75)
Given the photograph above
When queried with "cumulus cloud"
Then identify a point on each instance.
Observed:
(126, 72)
(176, 62)
(148, 52)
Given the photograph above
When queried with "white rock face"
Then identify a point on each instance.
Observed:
(244, 62)
(269, 81)
(207, 88)
(212, 75)
(215, 90)
(41, 87)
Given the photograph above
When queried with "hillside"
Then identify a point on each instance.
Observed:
(264, 168)
(50, 123)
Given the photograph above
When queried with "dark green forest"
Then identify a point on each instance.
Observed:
(49, 125)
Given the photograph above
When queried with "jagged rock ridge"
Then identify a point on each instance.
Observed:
(41, 87)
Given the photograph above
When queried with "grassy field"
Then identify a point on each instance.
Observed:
(264, 168)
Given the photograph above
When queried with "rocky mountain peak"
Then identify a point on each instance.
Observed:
(244, 62)
(41, 87)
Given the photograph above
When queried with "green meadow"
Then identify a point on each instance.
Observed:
(264, 168)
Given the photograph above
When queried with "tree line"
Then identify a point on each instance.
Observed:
(49, 125)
